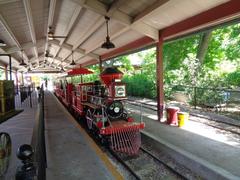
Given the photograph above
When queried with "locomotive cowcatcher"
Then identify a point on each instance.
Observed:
(102, 106)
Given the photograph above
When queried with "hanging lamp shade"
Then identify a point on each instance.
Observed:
(73, 62)
(62, 70)
(107, 44)
(22, 62)
(29, 69)
(2, 43)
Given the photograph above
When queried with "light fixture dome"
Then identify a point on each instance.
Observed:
(29, 69)
(2, 43)
(73, 62)
(22, 62)
(107, 44)
(62, 70)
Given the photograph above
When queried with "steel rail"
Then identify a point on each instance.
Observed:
(165, 164)
(133, 173)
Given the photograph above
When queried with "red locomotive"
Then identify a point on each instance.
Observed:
(103, 108)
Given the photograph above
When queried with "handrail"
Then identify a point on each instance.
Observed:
(39, 140)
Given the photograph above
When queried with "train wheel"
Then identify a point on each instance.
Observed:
(89, 118)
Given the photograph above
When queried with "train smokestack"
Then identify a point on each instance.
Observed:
(110, 74)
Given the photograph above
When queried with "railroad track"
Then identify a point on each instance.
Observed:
(146, 165)
(232, 128)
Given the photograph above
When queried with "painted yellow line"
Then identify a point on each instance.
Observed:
(98, 151)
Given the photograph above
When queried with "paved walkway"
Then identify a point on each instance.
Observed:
(70, 154)
(20, 129)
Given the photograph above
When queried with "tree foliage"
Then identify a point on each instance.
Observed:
(220, 67)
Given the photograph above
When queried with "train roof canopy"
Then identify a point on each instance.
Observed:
(46, 32)
(79, 71)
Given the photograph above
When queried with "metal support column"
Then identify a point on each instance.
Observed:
(22, 78)
(81, 78)
(10, 66)
(160, 93)
(100, 64)
(6, 72)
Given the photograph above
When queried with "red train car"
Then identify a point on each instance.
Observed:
(101, 105)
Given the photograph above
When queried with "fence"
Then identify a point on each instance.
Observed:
(26, 96)
(221, 100)
(38, 140)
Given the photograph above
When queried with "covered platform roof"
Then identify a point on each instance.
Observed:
(24, 25)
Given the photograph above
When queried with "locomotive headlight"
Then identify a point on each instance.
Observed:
(116, 109)
(120, 91)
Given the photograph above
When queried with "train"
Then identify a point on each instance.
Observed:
(100, 105)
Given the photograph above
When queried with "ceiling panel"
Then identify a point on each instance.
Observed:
(15, 17)
(83, 25)
(40, 17)
(63, 53)
(83, 60)
(127, 37)
(66, 11)
(30, 53)
(133, 7)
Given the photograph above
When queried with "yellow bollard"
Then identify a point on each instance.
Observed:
(182, 118)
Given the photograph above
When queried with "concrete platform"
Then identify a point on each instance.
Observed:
(20, 128)
(71, 154)
(212, 159)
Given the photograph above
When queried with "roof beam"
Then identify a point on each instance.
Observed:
(50, 18)
(69, 47)
(96, 25)
(150, 10)
(119, 16)
(116, 4)
(217, 15)
(102, 9)
(8, 1)
(51, 12)
(28, 12)
(25, 46)
(72, 22)
(12, 36)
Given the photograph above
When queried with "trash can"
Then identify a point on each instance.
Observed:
(182, 118)
(172, 118)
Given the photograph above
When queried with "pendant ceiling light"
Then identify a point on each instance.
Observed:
(73, 62)
(62, 70)
(22, 62)
(107, 44)
(2, 43)
(29, 69)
